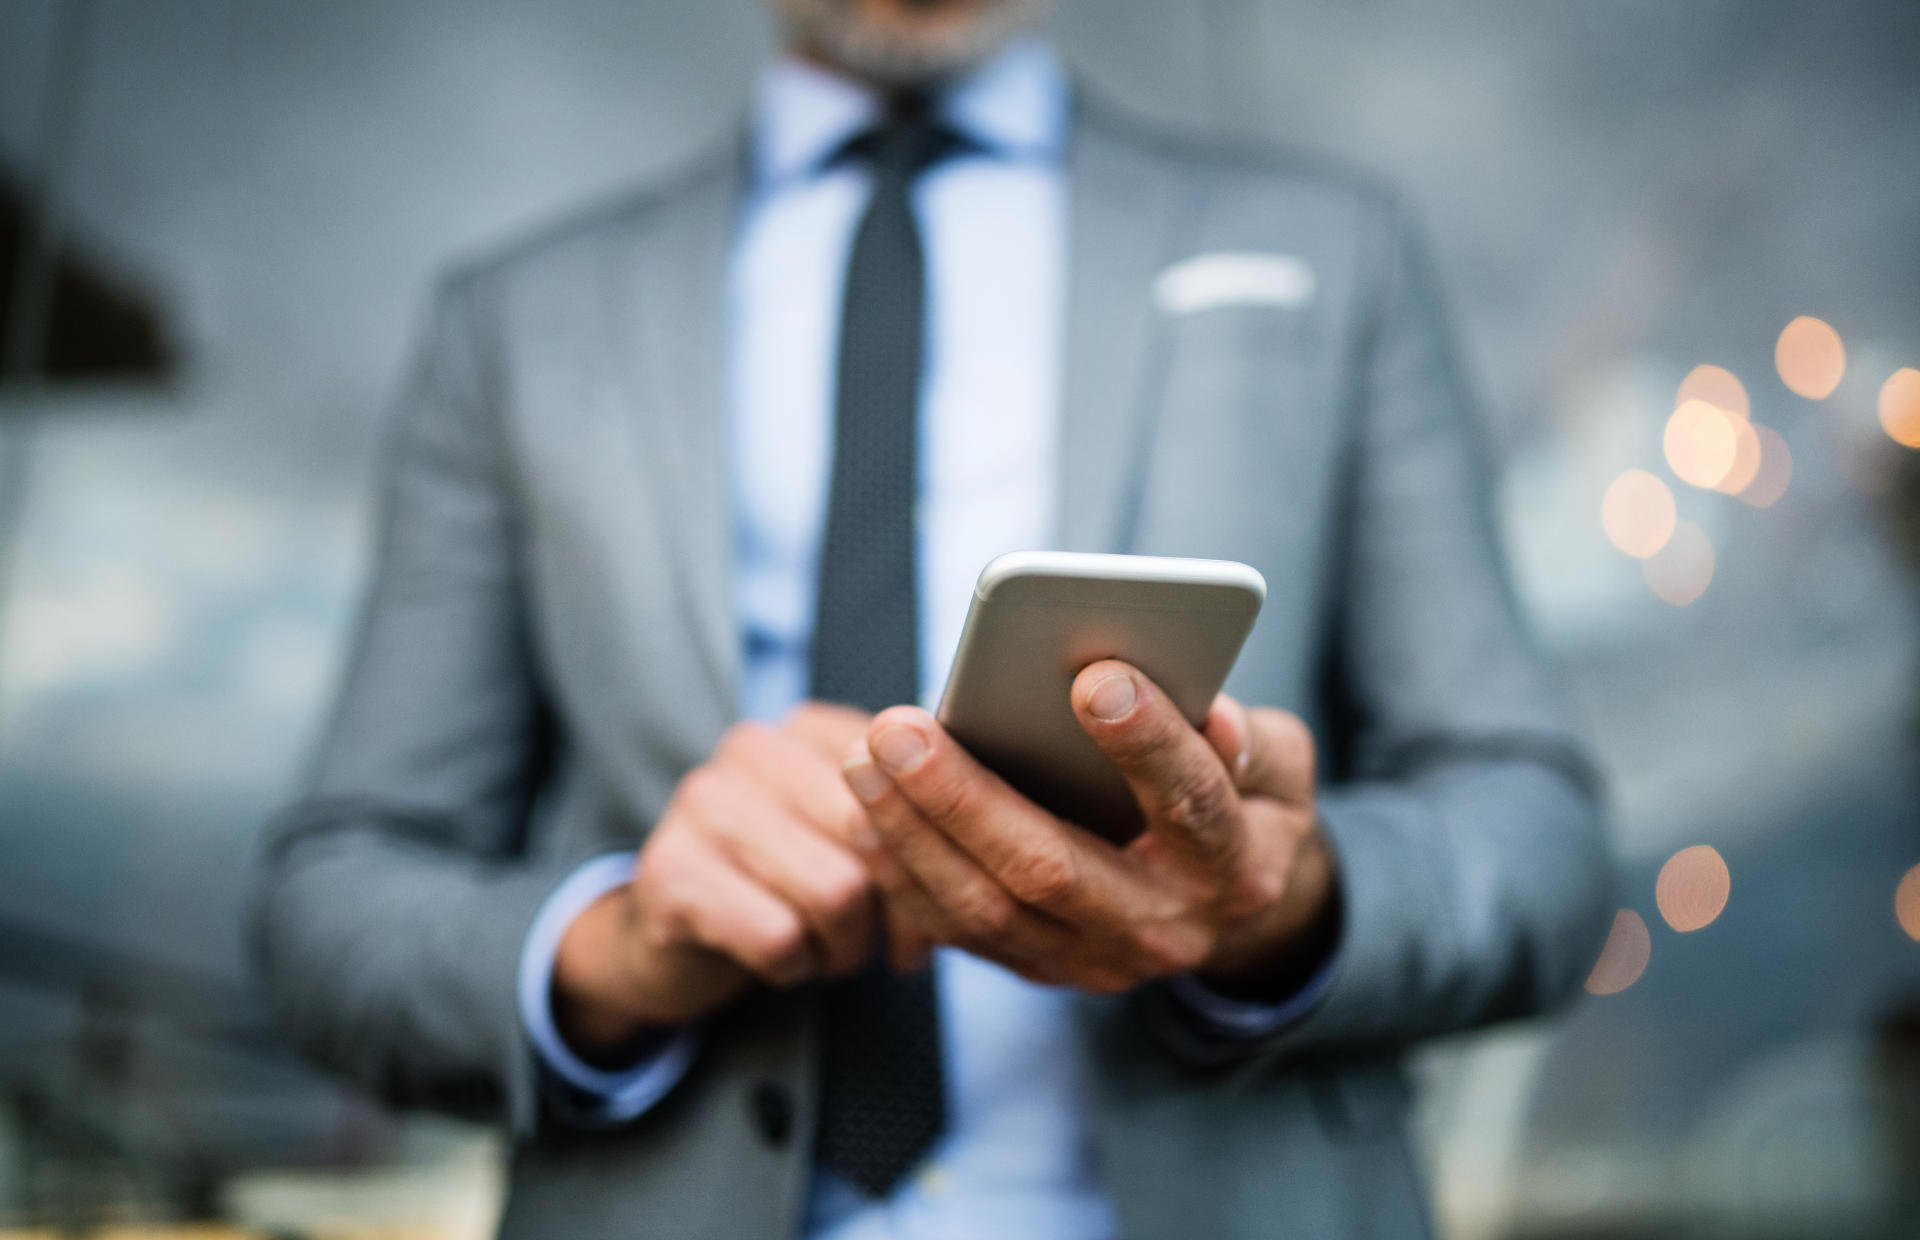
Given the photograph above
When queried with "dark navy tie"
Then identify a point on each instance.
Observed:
(882, 1101)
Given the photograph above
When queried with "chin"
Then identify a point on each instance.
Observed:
(905, 43)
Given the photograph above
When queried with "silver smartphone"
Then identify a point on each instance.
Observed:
(1039, 617)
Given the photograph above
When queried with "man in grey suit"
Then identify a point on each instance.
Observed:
(578, 854)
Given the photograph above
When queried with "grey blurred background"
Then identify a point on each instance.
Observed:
(257, 195)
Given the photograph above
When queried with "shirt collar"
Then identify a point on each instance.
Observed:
(1014, 105)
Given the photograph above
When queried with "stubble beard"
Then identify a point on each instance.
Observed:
(836, 32)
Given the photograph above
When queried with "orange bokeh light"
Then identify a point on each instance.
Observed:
(1906, 903)
(1717, 386)
(1692, 888)
(1625, 956)
(1900, 407)
(1638, 513)
(1701, 443)
(1679, 573)
(1746, 459)
(1810, 357)
(1775, 472)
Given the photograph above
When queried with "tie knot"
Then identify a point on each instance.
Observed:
(906, 142)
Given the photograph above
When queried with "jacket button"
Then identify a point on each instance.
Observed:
(772, 1108)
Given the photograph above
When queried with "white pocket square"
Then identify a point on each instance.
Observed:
(1229, 278)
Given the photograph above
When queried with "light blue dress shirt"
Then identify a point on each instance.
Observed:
(1018, 1158)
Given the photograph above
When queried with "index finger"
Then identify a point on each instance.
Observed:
(1184, 789)
(1042, 861)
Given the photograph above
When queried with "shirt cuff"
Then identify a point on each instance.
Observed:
(1238, 1018)
(594, 1095)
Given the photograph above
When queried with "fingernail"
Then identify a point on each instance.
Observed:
(1112, 698)
(899, 748)
(866, 780)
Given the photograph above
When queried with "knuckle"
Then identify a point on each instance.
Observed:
(700, 788)
(1255, 888)
(668, 852)
(667, 923)
(778, 947)
(983, 913)
(809, 723)
(742, 739)
(844, 893)
(696, 786)
(668, 917)
(667, 932)
(1166, 950)
(1044, 876)
(1195, 800)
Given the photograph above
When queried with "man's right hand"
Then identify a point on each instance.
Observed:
(749, 875)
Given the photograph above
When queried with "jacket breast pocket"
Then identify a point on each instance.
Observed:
(1243, 434)
(1245, 378)
(1244, 332)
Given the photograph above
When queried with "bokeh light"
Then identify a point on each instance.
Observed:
(1717, 386)
(1810, 357)
(1906, 903)
(1625, 956)
(1746, 459)
(1638, 513)
(1900, 407)
(1680, 571)
(1692, 888)
(1701, 443)
(1776, 470)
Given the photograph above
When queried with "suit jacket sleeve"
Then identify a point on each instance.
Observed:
(394, 897)
(1474, 878)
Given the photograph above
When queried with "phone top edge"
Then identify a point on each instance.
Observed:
(1100, 566)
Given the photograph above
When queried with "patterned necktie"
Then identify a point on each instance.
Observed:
(882, 1102)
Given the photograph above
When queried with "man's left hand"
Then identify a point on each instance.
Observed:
(1231, 879)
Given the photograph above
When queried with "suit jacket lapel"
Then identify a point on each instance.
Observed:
(680, 290)
(1120, 220)
(1121, 212)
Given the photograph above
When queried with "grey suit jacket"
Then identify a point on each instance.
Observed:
(549, 645)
